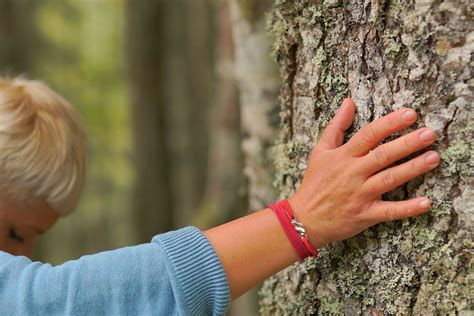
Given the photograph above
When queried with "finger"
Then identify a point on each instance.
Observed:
(386, 154)
(333, 134)
(371, 135)
(382, 211)
(391, 178)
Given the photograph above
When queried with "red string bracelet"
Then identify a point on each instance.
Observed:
(294, 230)
(300, 229)
(289, 229)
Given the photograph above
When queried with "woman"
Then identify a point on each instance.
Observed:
(186, 271)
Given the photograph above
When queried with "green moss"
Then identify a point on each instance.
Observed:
(440, 208)
(394, 4)
(367, 301)
(338, 87)
(427, 239)
(419, 101)
(303, 301)
(311, 15)
(457, 158)
(392, 42)
(330, 306)
(351, 282)
(392, 47)
(277, 28)
(284, 160)
(448, 276)
(319, 58)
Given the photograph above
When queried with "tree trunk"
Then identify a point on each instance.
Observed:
(171, 50)
(257, 79)
(153, 199)
(385, 55)
(18, 37)
(188, 86)
(225, 197)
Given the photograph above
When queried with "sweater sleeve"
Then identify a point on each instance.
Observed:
(178, 273)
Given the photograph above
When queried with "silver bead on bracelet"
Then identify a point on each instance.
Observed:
(299, 227)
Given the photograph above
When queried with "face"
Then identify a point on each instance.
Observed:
(21, 225)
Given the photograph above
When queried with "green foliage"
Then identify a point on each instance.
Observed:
(83, 60)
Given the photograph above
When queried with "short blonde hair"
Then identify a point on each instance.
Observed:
(41, 145)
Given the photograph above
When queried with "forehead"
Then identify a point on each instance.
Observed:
(37, 215)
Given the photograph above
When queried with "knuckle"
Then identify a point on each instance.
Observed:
(382, 155)
(329, 125)
(390, 213)
(368, 134)
(332, 126)
(409, 211)
(416, 166)
(387, 178)
(408, 142)
(393, 121)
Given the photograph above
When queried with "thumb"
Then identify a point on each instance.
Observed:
(333, 134)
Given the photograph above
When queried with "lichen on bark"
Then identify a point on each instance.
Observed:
(385, 55)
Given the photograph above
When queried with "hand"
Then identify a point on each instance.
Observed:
(338, 198)
(340, 195)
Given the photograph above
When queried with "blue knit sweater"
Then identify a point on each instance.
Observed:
(178, 273)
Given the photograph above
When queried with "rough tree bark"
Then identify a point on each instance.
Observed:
(386, 55)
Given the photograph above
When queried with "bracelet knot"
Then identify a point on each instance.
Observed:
(294, 230)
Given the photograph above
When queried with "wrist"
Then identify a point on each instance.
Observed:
(294, 230)
(306, 216)
(251, 249)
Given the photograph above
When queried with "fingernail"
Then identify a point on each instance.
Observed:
(432, 159)
(427, 135)
(424, 203)
(409, 115)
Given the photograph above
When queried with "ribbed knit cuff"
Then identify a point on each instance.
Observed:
(197, 276)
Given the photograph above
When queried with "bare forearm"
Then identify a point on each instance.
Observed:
(251, 249)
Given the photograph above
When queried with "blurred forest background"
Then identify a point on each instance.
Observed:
(168, 92)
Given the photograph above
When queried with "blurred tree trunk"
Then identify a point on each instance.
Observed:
(225, 197)
(258, 82)
(171, 51)
(386, 55)
(18, 37)
(153, 199)
(188, 82)
(257, 79)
